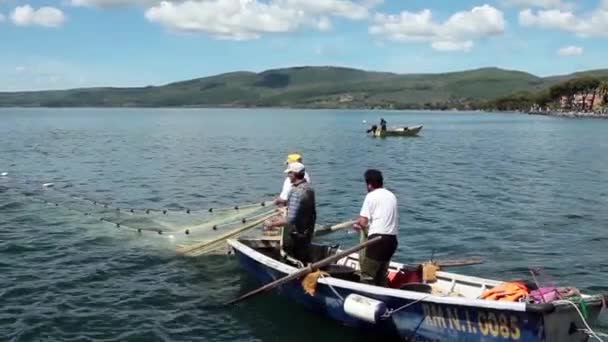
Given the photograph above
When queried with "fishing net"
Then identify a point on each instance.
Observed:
(191, 231)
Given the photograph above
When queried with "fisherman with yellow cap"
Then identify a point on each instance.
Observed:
(287, 186)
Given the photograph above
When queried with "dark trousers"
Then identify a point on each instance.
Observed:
(297, 245)
(375, 260)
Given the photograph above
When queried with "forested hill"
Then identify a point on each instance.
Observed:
(308, 87)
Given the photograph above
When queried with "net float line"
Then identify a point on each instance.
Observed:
(225, 223)
(115, 223)
(51, 186)
(165, 211)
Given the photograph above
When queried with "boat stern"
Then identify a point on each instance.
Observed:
(567, 321)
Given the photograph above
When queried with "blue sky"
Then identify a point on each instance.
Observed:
(53, 44)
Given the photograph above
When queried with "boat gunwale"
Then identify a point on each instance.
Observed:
(395, 293)
(416, 128)
(597, 299)
(399, 131)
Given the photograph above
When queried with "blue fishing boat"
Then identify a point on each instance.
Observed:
(448, 308)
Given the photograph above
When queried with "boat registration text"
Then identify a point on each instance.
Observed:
(499, 325)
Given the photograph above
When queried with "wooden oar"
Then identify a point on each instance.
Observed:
(306, 270)
(450, 262)
(207, 246)
(459, 262)
(322, 231)
(328, 229)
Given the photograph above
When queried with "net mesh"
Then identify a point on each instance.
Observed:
(191, 231)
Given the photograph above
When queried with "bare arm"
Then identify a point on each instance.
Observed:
(281, 200)
(364, 215)
(362, 221)
(275, 223)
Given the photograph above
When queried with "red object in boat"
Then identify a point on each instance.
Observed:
(396, 279)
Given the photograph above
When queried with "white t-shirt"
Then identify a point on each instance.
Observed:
(287, 186)
(380, 208)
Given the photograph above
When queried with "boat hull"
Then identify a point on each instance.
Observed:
(405, 132)
(418, 320)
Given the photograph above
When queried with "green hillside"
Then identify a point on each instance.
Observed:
(599, 73)
(306, 87)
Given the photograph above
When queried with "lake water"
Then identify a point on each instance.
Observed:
(517, 190)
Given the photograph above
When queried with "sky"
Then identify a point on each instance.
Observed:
(56, 44)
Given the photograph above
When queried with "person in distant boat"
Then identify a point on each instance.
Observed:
(378, 217)
(282, 199)
(299, 224)
(382, 125)
(373, 129)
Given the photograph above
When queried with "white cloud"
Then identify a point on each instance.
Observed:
(546, 4)
(340, 8)
(1, 17)
(44, 16)
(323, 24)
(249, 19)
(570, 51)
(112, 3)
(479, 22)
(549, 19)
(455, 34)
(594, 24)
(375, 3)
(405, 27)
(20, 69)
(226, 19)
(453, 46)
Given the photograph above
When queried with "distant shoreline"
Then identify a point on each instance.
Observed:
(572, 115)
(454, 110)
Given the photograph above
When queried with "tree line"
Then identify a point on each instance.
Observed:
(551, 99)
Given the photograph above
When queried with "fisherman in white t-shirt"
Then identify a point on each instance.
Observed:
(287, 186)
(379, 216)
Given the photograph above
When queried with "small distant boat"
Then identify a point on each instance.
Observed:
(407, 131)
(448, 309)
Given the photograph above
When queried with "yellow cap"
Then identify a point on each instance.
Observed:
(293, 158)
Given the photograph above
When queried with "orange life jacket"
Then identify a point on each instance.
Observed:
(506, 292)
